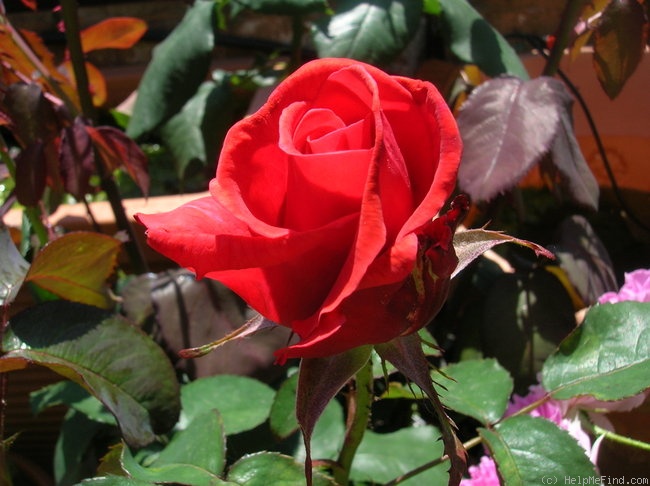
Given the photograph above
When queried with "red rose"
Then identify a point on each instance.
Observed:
(320, 214)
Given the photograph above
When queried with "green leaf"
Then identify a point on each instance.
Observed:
(197, 131)
(382, 457)
(170, 473)
(180, 64)
(530, 450)
(75, 438)
(74, 396)
(473, 40)
(283, 421)
(244, 403)
(102, 352)
(374, 32)
(258, 469)
(13, 268)
(431, 7)
(75, 267)
(478, 388)
(281, 7)
(115, 481)
(201, 444)
(607, 356)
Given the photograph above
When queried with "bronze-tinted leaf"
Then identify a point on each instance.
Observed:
(113, 33)
(76, 266)
(619, 41)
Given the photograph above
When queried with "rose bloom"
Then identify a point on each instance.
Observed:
(320, 214)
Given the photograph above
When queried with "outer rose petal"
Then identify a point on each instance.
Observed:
(309, 246)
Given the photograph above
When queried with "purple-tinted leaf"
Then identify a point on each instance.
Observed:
(319, 381)
(585, 260)
(31, 172)
(471, 244)
(568, 166)
(507, 125)
(77, 159)
(13, 267)
(619, 41)
(33, 117)
(116, 149)
(405, 353)
(193, 318)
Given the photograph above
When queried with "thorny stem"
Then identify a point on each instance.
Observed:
(621, 439)
(359, 403)
(73, 38)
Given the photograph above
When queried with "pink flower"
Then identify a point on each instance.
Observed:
(483, 474)
(636, 288)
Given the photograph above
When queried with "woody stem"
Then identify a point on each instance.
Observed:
(359, 403)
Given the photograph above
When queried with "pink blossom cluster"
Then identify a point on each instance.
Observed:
(636, 288)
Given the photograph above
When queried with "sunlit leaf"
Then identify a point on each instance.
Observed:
(72, 395)
(202, 444)
(97, 350)
(76, 266)
(471, 244)
(619, 42)
(257, 469)
(180, 64)
(116, 149)
(373, 32)
(113, 33)
(477, 388)
(243, 402)
(13, 267)
(282, 419)
(607, 356)
(382, 457)
(530, 450)
(506, 126)
(170, 473)
(197, 131)
(475, 41)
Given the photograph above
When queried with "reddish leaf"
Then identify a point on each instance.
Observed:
(113, 33)
(319, 381)
(507, 125)
(96, 81)
(116, 149)
(31, 174)
(406, 355)
(76, 266)
(77, 159)
(619, 41)
(471, 244)
(30, 4)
